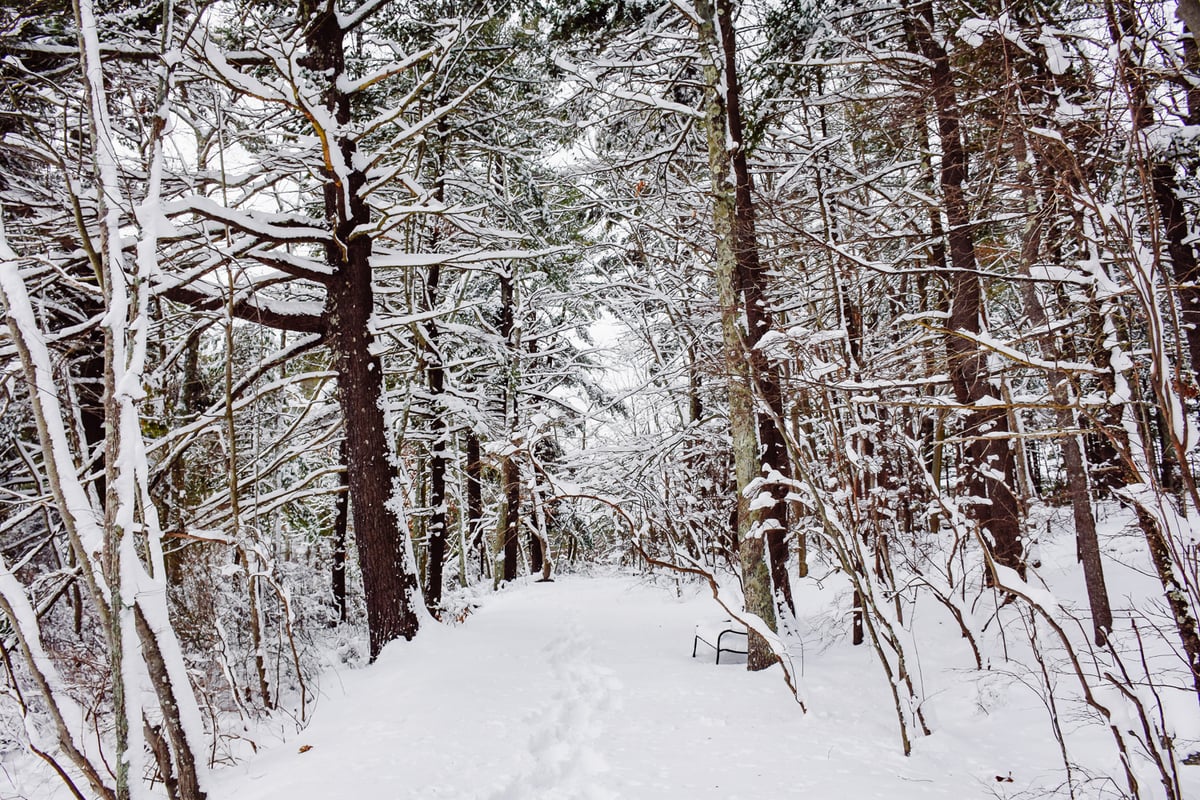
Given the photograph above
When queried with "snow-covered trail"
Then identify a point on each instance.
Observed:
(585, 688)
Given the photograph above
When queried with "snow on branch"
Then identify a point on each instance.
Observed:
(239, 80)
(410, 260)
(265, 225)
(640, 98)
(250, 305)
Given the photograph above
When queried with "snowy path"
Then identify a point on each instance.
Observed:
(585, 688)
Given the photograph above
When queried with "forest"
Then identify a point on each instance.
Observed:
(332, 327)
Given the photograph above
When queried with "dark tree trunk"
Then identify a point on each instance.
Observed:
(1106, 467)
(1125, 35)
(90, 387)
(1173, 219)
(1073, 456)
(340, 522)
(510, 525)
(1087, 541)
(856, 620)
(162, 758)
(751, 280)
(1159, 546)
(474, 469)
(1175, 593)
(537, 547)
(510, 471)
(1172, 216)
(695, 402)
(436, 376)
(389, 582)
(537, 558)
(989, 461)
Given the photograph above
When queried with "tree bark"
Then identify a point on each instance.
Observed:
(1172, 216)
(186, 770)
(435, 376)
(1174, 592)
(1074, 464)
(510, 525)
(162, 757)
(439, 433)
(539, 547)
(537, 556)
(1124, 32)
(474, 470)
(389, 580)
(989, 457)
(751, 281)
(337, 580)
(510, 472)
(756, 577)
(1189, 12)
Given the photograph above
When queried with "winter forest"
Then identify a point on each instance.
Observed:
(391, 392)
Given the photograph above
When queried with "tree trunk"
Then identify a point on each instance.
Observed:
(539, 547)
(756, 578)
(435, 374)
(474, 470)
(989, 458)
(439, 433)
(540, 560)
(184, 752)
(1163, 559)
(389, 581)
(1175, 593)
(510, 471)
(751, 281)
(1172, 216)
(510, 524)
(695, 401)
(340, 520)
(1088, 543)
(1125, 35)
(537, 556)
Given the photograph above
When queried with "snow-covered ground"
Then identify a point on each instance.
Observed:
(586, 688)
